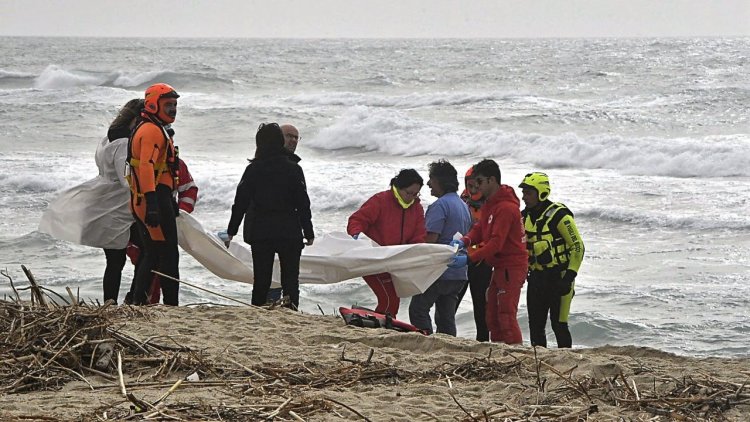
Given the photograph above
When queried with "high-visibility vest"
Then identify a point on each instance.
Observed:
(544, 243)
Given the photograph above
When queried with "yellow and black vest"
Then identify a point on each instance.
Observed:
(544, 243)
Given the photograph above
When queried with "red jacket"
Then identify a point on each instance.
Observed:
(383, 220)
(499, 232)
(187, 191)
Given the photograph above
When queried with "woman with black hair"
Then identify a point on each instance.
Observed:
(391, 217)
(272, 199)
(97, 212)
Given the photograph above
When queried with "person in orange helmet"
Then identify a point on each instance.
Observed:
(153, 179)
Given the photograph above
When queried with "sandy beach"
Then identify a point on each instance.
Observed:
(243, 363)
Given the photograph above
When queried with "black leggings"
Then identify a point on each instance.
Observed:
(162, 256)
(264, 251)
(113, 272)
(479, 281)
(542, 299)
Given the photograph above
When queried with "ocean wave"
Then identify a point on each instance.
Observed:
(599, 329)
(379, 80)
(56, 77)
(393, 132)
(664, 219)
(23, 184)
(6, 74)
(351, 99)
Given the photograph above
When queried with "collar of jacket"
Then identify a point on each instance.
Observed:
(400, 200)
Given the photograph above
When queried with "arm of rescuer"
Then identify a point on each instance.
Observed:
(490, 244)
(150, 143)
(364, 217)
(187, 190)
(574, 244)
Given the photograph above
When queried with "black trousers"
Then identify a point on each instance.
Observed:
(162, 256)
(542, 299)
(264, 251)
(113, 271)
(479, 280)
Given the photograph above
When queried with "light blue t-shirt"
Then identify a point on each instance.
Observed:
(446, 216)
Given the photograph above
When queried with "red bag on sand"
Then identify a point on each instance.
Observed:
(363, 317)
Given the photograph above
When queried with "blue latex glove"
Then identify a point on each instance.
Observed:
(225, 237)
(355, 236)
(458, 261)
(460, 243)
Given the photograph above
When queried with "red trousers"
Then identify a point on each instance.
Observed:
(503, 294)
(382, 285)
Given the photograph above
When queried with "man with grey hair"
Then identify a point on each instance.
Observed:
(291, 139)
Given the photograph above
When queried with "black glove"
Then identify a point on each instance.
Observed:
(152, 210)
(566, 283)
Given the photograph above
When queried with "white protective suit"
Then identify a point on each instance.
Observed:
(97, 212)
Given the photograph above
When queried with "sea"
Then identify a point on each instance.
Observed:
(646, 140)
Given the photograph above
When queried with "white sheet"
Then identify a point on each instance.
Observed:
(332, 258)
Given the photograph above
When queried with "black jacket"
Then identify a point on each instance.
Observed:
(272, 198)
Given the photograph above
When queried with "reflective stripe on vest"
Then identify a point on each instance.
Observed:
(544, 244)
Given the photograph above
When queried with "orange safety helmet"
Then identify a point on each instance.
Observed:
(469, 173)
(154, 94)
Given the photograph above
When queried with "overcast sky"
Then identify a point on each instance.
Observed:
(375, 19)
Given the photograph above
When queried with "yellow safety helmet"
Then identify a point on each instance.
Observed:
(539, 182)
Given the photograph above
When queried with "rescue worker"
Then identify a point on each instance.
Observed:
(154, 175)
(187, 196)
(479, 273)
(391, 217)
(555, 252)
(502, 245)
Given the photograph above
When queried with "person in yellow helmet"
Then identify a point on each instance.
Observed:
(153, 179)
(555, 251)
